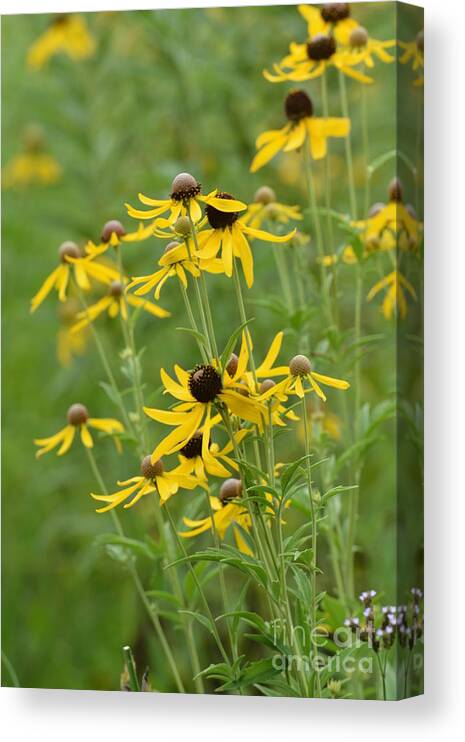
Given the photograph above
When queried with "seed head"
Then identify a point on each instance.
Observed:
(321, 47)
(358, 37)
(33, 138)
(68, 249)
(77, 414)
(205, 383)
(334, 12)
(266, 385)
(421, 41)
(298, 105)
(376, 208)
(149, 470)
(193, 447)
(172, 246)
(182, 226)
(395, 190)
(265, 195)
(232, 364)
(112, 226)
(230, 490)
(116, 289)
(300, 366)
(184, 186)
(221, 219)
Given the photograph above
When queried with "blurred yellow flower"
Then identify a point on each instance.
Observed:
(414, 52)
(29, 168)
(153, 478)
(267, 209)
(332, 18)
(114, 304)
(395, 300)
(69, 344)
(303, 127)
(391, 225)
(364, 49)
(78, 420)
(66, 34)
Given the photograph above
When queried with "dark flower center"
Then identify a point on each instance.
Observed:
(116, 289)
(205, 383)
(68, 250)
(193, 447)
(298, 105)
(221, 219)
(77, 414)
(334, 12)
(184, 187)
(149, 470)
(321, 47)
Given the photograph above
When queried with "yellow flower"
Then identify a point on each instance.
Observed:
(190, 455)
(113, 234)
(364, 49)
(229, 233)
(115, 303)
(197, 392)
(176, 261)
(395, 299)
(78, 419)
(414, 52)
(302, 127)
(226, 514)
(299, 369)
(153, 478)
(69, 344)
(392, 225)
(311, 59)
(185, 200)
(67, 34)
(267, 209)
(83, 270)
(333, 18)
(31, 168)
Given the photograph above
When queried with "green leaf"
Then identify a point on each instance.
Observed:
(140, 548)
(229, 347)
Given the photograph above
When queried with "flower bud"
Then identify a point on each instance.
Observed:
(231, 366)
(395, 190)
(266, 385)
(230, 490)
(149, 470)
(182, 226)
(358, 37)
(112, 226)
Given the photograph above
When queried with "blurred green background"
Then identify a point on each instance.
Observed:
(166, 91)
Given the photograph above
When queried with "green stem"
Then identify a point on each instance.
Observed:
(177, 590)
(128, 334)
(383, 675)
(198, 585)
(318, 230)
(106, 365)
(11, 670)
(348, 146)
(328, 190)
(152, 613)
(192, 321)
(283, 273)
(314, 545)
(131, 668)
(204, 302)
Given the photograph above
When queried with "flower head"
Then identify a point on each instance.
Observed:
(227, 512)
(73, 264)
(397, 288)
(185, 200)
(365, 49)
(302, 128)
(78, 420)
(153, 477)
(228, 234)
(200, 392)
(115, 303)
(113, 234)
(266, 208)
(33, 166)
(66, 34)
(414, 52)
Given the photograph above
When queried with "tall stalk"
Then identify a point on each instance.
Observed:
(151, 611)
